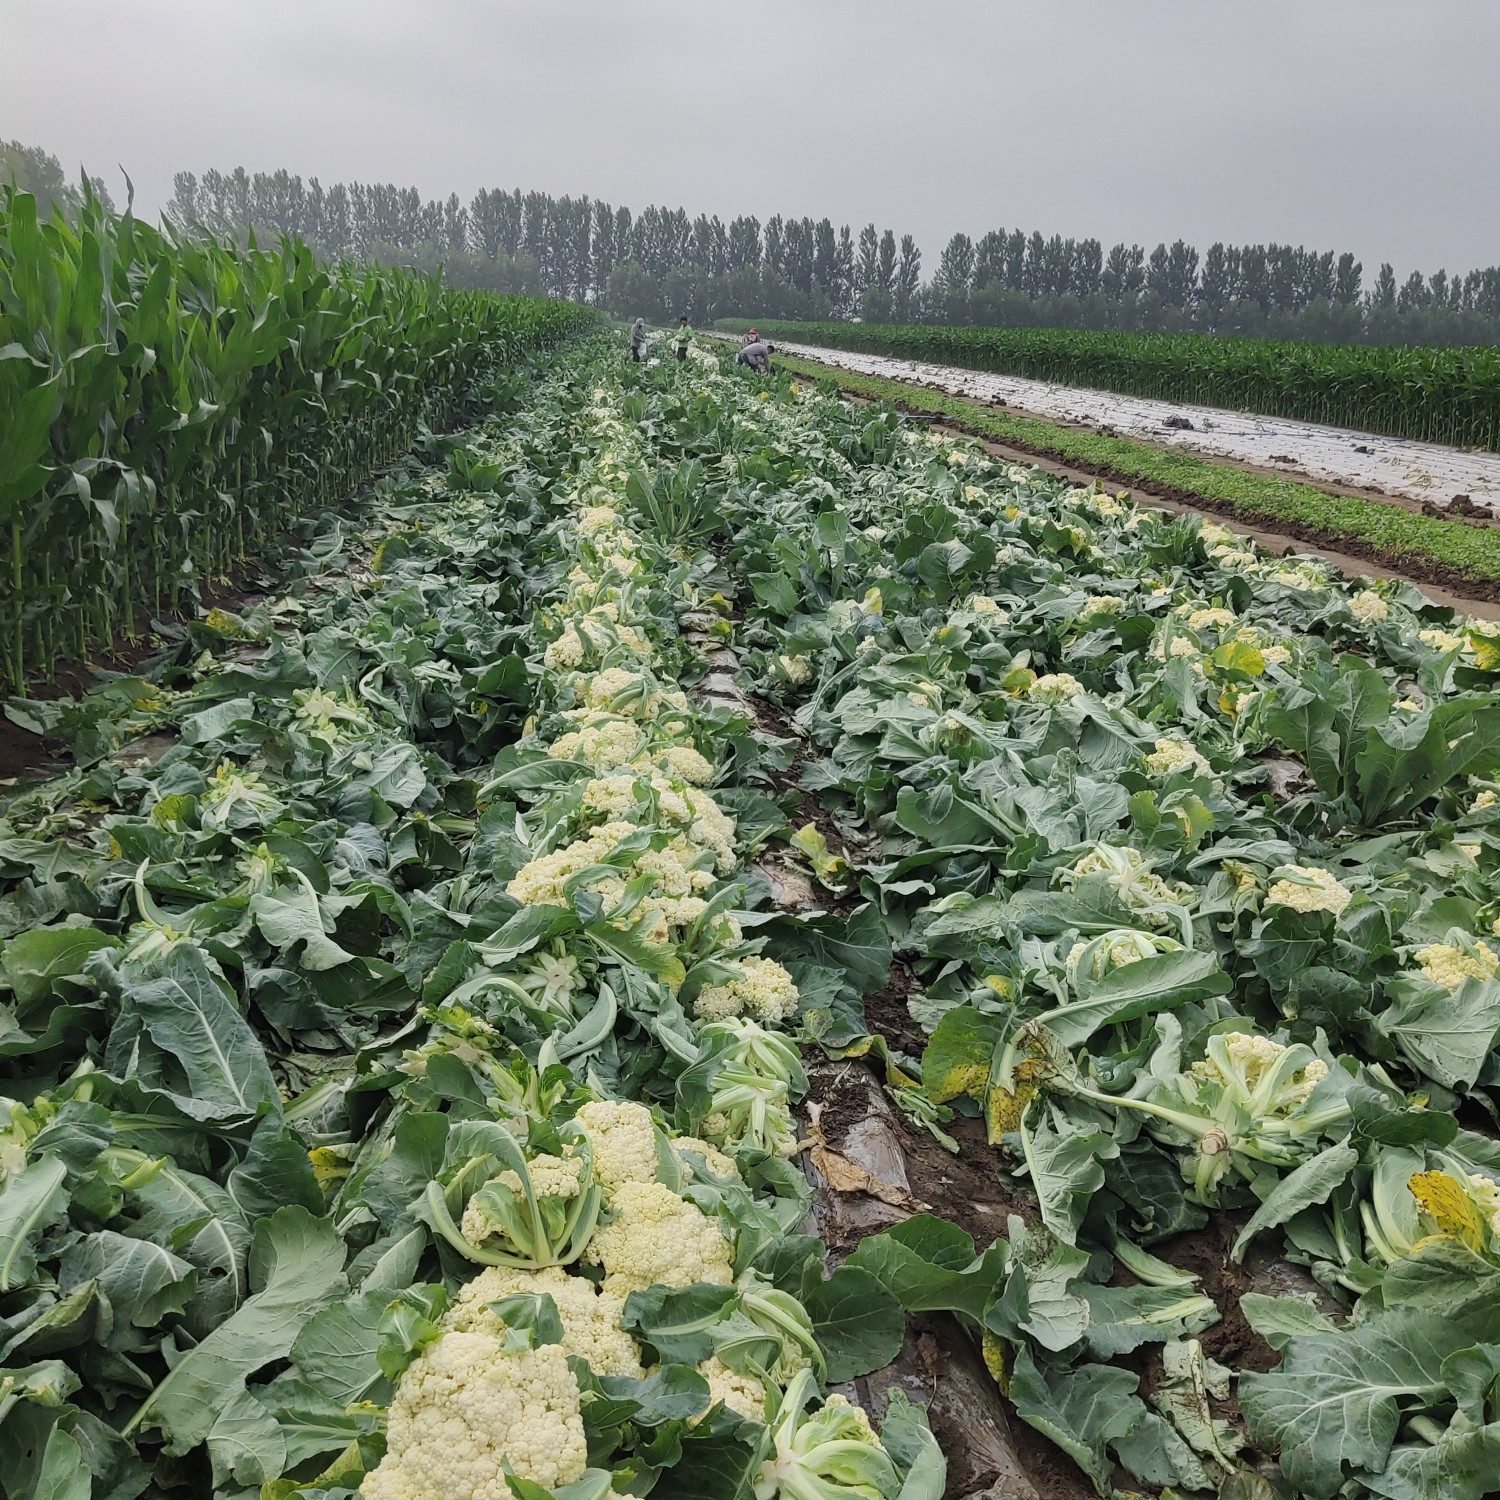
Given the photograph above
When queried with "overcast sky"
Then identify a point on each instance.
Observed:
(1371, 125)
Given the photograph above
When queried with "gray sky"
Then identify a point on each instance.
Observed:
(1369, 125)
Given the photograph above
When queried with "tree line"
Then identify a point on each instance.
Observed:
(663, 262)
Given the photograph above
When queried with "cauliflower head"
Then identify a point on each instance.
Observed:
(590, 1317)
(764, 990)
(658, 1239)
(623, 1136)
(464, 1406)
(742, 1394)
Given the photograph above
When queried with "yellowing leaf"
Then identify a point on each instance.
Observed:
(329, 1168)
(831, 869)
(1447, 1204)
(957, 1059)
(994, 1351)
(1239, 656)
(1003, 1110)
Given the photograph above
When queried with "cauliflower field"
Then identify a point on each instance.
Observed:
(406, 1017)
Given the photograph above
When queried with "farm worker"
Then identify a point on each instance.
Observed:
(637, 339)
(752, 337)
(684, 337)
(757, 356)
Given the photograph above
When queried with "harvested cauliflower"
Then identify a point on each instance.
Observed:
(742, 1394)
(623, 1136)
(658, 1239)
(685, 1147)
(1461, 957)
(763, 990)
(1173, 756)
(1307, 888)
(551, 1177)
(590, 1317)
(464, 1406)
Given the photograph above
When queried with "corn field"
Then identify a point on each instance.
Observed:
(169, 405)
(1427, 394)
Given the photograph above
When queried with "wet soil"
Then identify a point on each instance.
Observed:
(26, 756)
(965, 1189)
(1205, 1252)
(887, 1012)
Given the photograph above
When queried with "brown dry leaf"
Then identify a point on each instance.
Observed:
(845, 1176)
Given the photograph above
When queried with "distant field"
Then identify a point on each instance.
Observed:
(1432, 395)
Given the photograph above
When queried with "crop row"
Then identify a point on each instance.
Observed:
(407, 1090)
(169, 405)
(1194, 855)
(402, 1065)
(1431, 395)
(1431, 547)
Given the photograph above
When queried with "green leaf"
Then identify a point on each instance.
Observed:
(1122, 1318)
(1447, 1037)
(28, 1205)
(1334, 1405)
(186, 1014)
(245, 1444)
(676, 1322)
(32, 962)
(297, 1263)
(214, 723)
(1066, 1162)
(1278, 1320)
(1461, 1465)
(143, 1282)
(408, 1324)
(1311, 1183)
(524, 930)
(293, 916)
(530, 1319)
(1039, 1301)
(1083, 1410)
(337, 1348)
(906, 1436)
(1142, 988)
(315, 1424)
(668, 1393)
(858, 1323)
(64, 1475)
(929, 1265)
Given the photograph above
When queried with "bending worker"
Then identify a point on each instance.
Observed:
(757, 356)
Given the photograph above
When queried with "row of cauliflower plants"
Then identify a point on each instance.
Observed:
(1193, 850)
(400, 1089)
